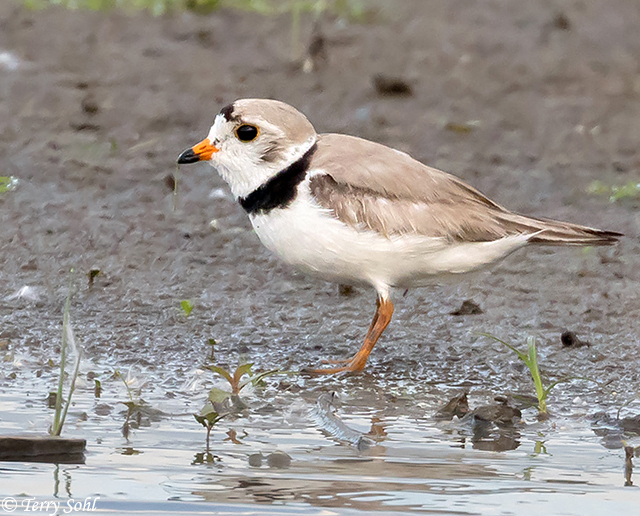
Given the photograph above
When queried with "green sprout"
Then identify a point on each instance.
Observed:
(349, 9)
(187, 306)
(174, 197)
(531, 361)
(241, 370)
(208, 418)
(137, 408)
(92, 275)
(212, 343)
(221, 403)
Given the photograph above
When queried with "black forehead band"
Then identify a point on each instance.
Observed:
(227, 113)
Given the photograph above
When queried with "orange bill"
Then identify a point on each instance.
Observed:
(200, 152)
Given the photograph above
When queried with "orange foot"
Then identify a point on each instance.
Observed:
(353, 365)
(381, 319)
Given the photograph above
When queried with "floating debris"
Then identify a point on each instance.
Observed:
(334, 426)
(501, 414)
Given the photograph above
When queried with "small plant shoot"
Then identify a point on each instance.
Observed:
(212, 343)
(68, 341)
(531, 361)
(187, 306)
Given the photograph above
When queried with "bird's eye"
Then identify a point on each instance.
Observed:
(246, 133)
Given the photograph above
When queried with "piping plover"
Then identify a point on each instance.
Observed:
(355, 211)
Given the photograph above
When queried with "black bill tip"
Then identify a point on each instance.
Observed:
(188, 156)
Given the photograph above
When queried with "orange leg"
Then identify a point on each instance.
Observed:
(381, 319)
(371, 326)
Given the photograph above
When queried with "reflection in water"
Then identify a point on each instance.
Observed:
(205, 458)
(128, 450)
(501, 442)
(377, 430)
(539, 448)
(628, 465)
(367, 484)
(232, 435)
(56, 481)
(426, 465)
(492, 427)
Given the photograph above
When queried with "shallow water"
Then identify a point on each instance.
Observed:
(415, 464)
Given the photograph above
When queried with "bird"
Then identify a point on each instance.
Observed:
(358, 212)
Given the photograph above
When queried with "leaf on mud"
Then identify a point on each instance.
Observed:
(187, 306)
(386, 85)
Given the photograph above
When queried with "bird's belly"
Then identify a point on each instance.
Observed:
(311, 239)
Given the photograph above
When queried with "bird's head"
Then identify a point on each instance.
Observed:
(251, 140)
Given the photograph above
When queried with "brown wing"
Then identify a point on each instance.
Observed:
(372, 187)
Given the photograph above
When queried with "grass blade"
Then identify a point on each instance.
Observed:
(56, 428)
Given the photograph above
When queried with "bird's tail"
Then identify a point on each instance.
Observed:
(553, 232)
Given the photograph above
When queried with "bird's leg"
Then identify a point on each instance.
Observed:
(381, 319)
(371, 326)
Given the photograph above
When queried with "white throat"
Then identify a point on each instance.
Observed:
(245, 173)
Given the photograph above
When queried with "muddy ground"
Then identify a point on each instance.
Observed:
(529, 102)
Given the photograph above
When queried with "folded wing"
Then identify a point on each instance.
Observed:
(375, 188)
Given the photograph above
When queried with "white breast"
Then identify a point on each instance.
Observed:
(311, 239)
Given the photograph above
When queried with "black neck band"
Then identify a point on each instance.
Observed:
(281, 189)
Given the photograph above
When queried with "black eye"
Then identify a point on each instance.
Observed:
(246, 133)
